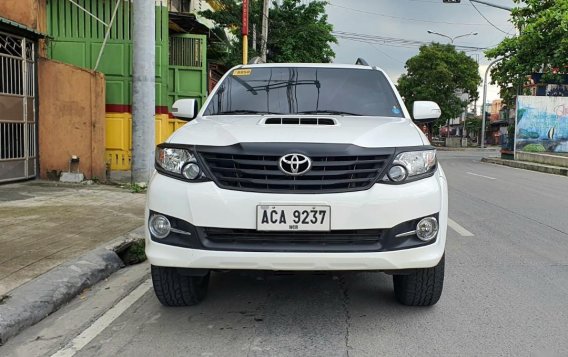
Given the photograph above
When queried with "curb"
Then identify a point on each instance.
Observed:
(472, 149)
(35, 300)
(548, 169)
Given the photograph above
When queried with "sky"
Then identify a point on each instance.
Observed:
(410, 20)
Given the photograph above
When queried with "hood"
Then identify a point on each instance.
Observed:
(361, 131)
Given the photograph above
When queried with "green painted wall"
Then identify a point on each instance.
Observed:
(187, 75)
(76, 38)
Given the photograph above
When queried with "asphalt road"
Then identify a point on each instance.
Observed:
(506, 293)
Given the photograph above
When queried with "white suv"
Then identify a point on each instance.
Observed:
(298, 167)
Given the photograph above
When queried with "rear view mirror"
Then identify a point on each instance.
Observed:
(426, 111)
(185, 109)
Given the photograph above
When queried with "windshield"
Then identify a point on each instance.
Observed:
(293, 90)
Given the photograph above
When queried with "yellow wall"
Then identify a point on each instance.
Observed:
(118, 148)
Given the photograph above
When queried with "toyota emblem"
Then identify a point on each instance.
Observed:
(295, 164)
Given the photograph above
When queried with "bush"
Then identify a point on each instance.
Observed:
(534, 148)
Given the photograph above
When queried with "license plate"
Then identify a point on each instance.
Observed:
(293, 218)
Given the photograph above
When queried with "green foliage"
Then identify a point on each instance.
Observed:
(511, 130)
(300, 33)
(541, 47)
(296, 32)
(473, 125)
(134, 187)
(534, 148)
(437, 73)
(134, 254)
(226, 49)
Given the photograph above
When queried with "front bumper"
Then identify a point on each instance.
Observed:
(381, 207)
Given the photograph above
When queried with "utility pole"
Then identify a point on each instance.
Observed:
(254, 37)
(264, 35)
(506, 8)
(143, 90)
(484, 99)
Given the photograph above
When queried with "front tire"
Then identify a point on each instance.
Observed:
(420, 288)
(175, 289)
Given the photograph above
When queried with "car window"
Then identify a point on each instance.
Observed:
(309, 90)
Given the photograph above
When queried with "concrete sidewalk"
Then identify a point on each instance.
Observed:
(548, 169)
(471, 148)
(44, 224)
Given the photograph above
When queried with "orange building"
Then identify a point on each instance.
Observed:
(49, 111)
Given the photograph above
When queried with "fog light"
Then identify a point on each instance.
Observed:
(191, 171)
(159, 226)
(397, 173)
(427, 229)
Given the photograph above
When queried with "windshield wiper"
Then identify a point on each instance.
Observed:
(242, 111)
(332, 112)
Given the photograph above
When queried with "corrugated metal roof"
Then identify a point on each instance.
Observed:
(24, 30)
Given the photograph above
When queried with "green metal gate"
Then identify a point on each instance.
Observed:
(78, 29)
(187, 73)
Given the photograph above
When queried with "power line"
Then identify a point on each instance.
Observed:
(433, 2)
(464, 49)
(376, 38)
(385, 54)
(486, 19)
(406, 18)
(393, 41)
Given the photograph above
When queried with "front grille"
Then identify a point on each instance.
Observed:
(249, 239)
(351, 169)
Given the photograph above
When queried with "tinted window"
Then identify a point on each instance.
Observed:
(305, 91)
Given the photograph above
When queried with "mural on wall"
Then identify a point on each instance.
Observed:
(542, 124)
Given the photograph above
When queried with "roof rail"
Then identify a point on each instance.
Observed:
(361, 61)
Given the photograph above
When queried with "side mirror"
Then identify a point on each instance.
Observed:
(425, 110)
(185, 109)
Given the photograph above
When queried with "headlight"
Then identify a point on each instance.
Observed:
(178, 162)
(427, 229)
(417, 164)
(159, 226)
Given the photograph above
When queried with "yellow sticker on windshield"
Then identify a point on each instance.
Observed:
(242, 72)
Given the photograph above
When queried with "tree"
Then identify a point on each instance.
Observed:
(300, 33)
(473, 126)
(227, 48)
(440, 73)
(297, 32)
(541, 46)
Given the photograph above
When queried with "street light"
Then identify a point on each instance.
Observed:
(480, 2)
(452, 39)
(507, 8)
(484, 99)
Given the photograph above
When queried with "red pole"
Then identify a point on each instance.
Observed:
(245, 30)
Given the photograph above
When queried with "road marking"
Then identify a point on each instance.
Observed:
(459, 229)
(487, 177)
(103, 322)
